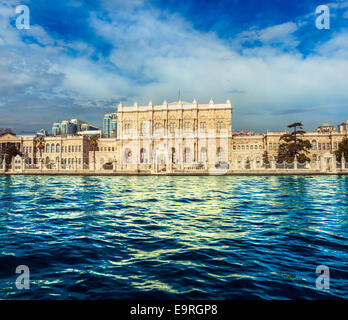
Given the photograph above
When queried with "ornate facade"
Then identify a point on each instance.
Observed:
(178, 137)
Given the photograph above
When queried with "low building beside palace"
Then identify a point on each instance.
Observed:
(177, 137)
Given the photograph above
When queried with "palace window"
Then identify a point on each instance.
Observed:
(335, 146)
(270, 146)
(203, 127)
(323, 146)
(234, 147)
(242, 147)
(251, 147)
(328, 146)
(47, 148)
(247, 147)
(143, 128)
(53, 148)
(143, 155)
(57, 148)
(238, 147)
(172, 127)
(314, 145)
(127, 128)
(187, 154)
(220, 153)
(157, 128)
(219, 126)
(319, 146)
(69, 148)
(80, 148)
(187, 126)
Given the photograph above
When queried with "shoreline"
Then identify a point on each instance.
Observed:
(234, 173)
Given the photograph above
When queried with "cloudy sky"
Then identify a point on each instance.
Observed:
(80, 58)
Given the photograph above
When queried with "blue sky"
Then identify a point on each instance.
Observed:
(80, 58)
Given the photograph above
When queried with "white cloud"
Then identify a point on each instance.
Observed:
(156, 53)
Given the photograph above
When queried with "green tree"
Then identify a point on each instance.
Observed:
(265, 158)
(342, 149)
(10, 151)
(93, 140)
(293, 145)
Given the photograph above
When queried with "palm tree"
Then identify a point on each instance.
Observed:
(93, 140)
(40, 144)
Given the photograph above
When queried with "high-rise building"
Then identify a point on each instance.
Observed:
(110, 125)
(73, 127)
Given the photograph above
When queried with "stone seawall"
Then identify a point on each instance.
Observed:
(268, 172)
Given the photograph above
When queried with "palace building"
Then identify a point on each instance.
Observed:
(179, 137)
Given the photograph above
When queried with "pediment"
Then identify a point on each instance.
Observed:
(9, 137)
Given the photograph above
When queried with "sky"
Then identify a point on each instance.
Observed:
(79, 59)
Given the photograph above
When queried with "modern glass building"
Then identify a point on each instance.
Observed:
(110, 125)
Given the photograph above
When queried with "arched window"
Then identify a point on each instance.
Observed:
(143, 156)
(220, 153)
(127, 155)
(57, 148)
(47, 147)
(157, 128)
(187, 155)
(143, 128)
(172, 127)
(173, 155)
(219, 126)
(314, 145)
(53, 147)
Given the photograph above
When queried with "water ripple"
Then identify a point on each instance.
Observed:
(213, 237)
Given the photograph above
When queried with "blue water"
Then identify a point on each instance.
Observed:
(222, 237)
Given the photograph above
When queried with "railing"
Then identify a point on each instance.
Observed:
(31, 167)
(285, 165)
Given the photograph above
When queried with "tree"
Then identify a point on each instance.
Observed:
(265, 158)
(294, 145)
(6, 130)
(10, 151)
(93, 140)
(342, 149)
(40, 144)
